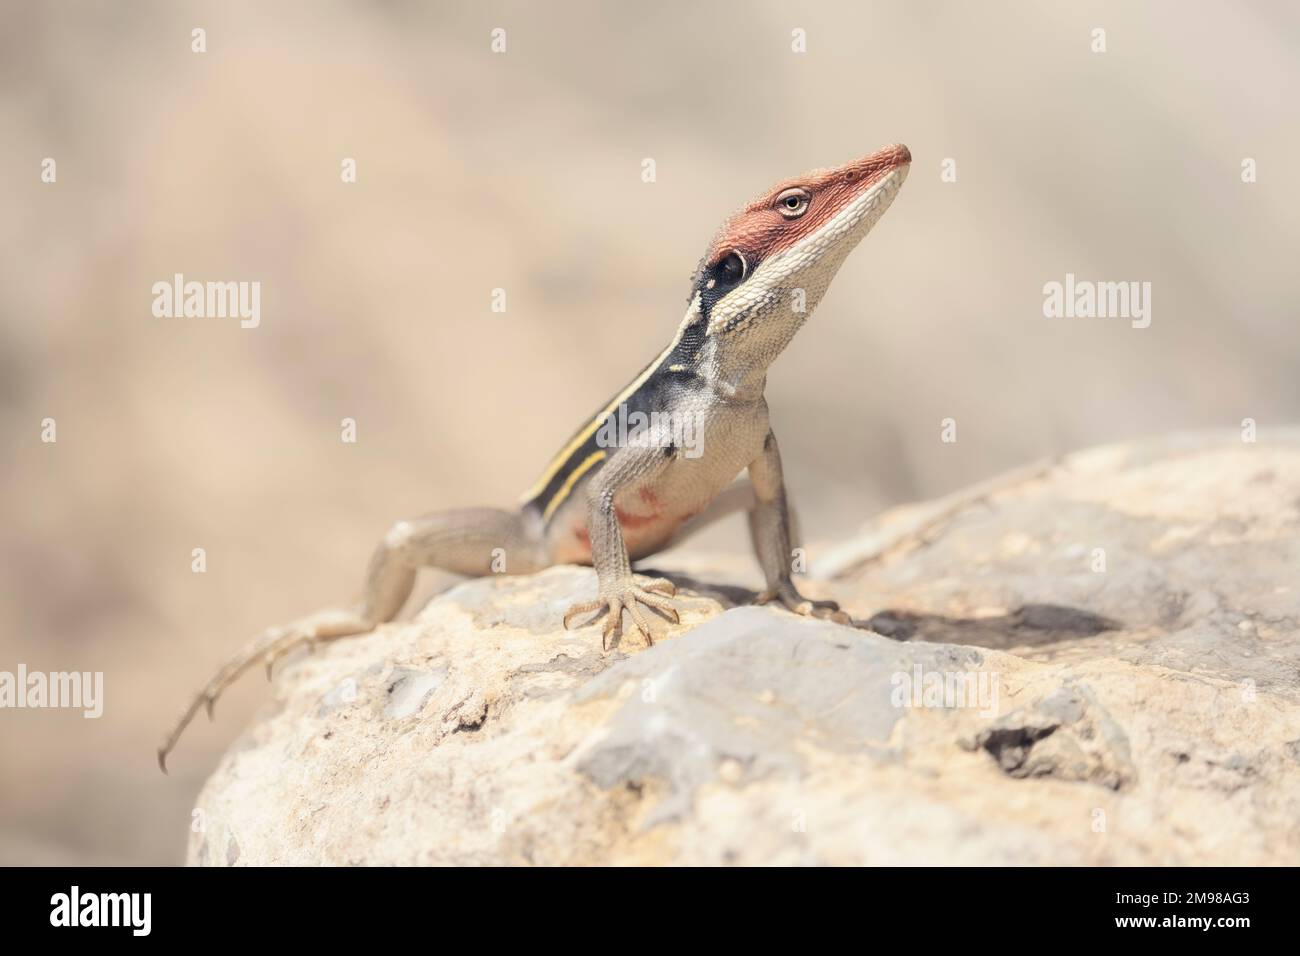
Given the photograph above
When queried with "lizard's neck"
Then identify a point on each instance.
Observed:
(735, 375)
(735, 363)
(733, 358)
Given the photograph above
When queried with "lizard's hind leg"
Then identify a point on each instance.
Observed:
(268, 648)
(472, 541)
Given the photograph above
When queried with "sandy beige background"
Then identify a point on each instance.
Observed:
(522, 171)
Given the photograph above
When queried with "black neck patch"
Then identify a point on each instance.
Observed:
(688, 347)
(713, 283)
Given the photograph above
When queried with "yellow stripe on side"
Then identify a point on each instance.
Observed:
(590, 428)
(569, 482)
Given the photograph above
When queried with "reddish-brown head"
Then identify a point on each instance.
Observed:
(770, 264)
(797, 208)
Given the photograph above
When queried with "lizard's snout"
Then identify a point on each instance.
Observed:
(888, 157)
(899, 153)
(870, 169)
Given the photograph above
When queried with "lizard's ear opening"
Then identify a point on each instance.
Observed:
(732, 268)
(726, 272)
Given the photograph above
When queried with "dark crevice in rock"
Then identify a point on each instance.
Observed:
(1010, 746)
(469, 725)
(1028, 625)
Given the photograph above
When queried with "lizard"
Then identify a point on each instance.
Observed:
(614, 495)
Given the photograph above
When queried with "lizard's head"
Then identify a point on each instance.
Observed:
(770, 263)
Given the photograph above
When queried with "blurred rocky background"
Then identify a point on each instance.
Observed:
(522, 171)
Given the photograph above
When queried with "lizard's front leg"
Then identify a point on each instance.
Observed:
(618, 588)
(769, 526)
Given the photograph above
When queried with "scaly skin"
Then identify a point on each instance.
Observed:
(607, 498)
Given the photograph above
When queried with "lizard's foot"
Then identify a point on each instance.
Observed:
(269, 648)
(789, 597)
(625, 596)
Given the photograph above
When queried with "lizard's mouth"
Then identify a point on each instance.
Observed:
(882, 161)
(875, 168)
(863, 175)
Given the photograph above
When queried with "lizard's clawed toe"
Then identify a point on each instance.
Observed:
(789, 598)
(274, 643)
(577, 610)
(627, 597)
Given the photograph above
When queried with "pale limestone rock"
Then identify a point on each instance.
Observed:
(1144, 713)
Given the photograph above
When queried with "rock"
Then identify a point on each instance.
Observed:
(1093, 663)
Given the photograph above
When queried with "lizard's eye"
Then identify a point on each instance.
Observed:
(733, 268)
(793, 203)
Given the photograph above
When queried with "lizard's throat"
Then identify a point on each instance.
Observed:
(736, 363)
